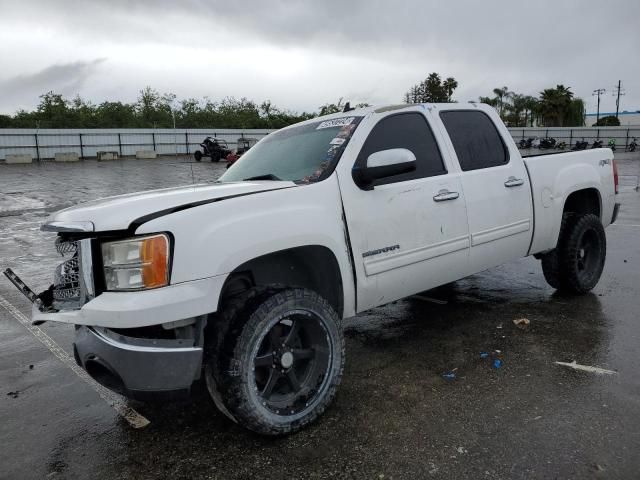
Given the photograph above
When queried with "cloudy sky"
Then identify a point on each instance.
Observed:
(301, 55)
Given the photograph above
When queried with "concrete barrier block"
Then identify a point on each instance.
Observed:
(18, 158)
(107, 156)
(146, 154)
(66, 157)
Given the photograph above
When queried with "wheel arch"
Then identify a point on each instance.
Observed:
(583, 201)
(311, 266)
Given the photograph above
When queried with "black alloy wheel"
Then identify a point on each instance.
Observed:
(291, 363)
(276, 361)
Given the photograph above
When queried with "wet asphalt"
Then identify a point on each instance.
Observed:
(395, 416)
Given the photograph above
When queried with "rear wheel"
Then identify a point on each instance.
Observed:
(197, 155)
(576, 264)
(280, 361)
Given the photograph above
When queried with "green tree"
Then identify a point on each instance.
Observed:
(608, 121)
(449, 85)
(330, 108)
(432, 90)
(52, 111)
(116, 115)
(531, 107)
(489, 101)
(502, 96)
(555, 104)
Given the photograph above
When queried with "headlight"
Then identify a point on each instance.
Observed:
(136, 263)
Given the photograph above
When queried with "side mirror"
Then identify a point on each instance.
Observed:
(383, 164)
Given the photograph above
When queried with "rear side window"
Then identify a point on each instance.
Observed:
(410, 131)
(475, 139)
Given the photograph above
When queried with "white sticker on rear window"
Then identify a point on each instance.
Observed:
(337, 122)
(337, 141)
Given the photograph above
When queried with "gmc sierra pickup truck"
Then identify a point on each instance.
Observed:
(245, 281)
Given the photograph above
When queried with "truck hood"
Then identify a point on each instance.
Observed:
(130, 210)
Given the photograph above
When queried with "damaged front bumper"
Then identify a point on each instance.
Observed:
(138, 367)
(142, 308)
(141, 344)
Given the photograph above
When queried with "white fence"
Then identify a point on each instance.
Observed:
(44, 144)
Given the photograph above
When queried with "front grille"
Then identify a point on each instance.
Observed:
(66, 280)
(70, 288)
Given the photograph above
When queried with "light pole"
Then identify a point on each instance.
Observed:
(175, 136)
(617, 92)
(598, 92)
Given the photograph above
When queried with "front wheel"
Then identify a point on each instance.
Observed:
(280, 361)
(197, 155)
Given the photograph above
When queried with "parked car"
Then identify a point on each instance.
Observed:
(213, 148)
(246, 282)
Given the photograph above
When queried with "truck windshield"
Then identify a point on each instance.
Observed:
(304, 154)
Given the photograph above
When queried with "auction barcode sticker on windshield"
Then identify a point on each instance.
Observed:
(337, 122)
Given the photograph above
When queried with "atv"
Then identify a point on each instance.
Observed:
(213, 148)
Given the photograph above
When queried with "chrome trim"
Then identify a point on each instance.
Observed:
(135, 345)
(87, 289)
(58, 226)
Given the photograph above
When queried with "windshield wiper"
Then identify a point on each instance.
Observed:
(266, 176)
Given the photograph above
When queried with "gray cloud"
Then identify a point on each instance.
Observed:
(371, 49)
(66, 79)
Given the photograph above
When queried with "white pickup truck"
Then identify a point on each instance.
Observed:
(245, 281)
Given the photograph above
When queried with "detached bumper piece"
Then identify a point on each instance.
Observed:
(138, 368)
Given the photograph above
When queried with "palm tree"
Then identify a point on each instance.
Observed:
(488, 100)
(501, 95)
(517, 106)
(449, 85)
(555, 104)
(530, 109)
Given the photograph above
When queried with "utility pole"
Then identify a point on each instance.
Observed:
(598, 92)
(617, 92)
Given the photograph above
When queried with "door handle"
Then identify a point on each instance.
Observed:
(513, 182)
(444, 195)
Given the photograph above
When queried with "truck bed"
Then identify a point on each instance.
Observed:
(555, 176)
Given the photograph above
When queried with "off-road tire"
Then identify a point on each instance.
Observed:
(565, 268)
(244, 323)
(551, 269)
(197, 155)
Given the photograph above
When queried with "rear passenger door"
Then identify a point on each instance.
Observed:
(409, 233)
(496, 186)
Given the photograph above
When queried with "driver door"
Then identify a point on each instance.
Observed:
(409, 232)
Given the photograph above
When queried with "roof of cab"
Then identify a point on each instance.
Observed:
(361, 112)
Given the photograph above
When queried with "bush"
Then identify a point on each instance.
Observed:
(608, 121)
